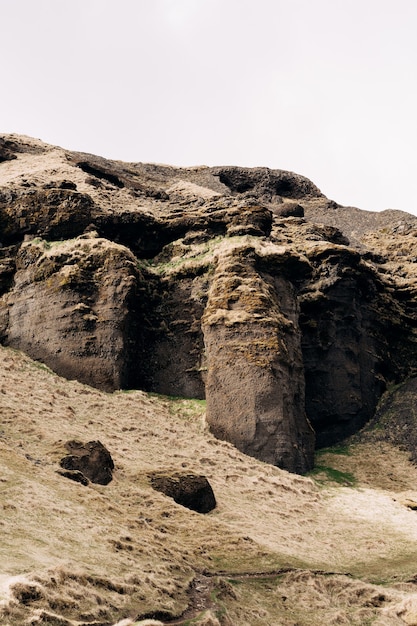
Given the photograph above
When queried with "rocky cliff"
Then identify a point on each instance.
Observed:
(289, 313)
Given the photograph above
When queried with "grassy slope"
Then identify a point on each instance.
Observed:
(103, 553)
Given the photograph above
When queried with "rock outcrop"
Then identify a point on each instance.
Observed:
(255, 378)
(395, 419)
(248, 287)
(75, 305)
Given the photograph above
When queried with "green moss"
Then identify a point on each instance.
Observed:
(333, 475)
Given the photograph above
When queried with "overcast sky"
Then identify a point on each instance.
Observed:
(325, 88)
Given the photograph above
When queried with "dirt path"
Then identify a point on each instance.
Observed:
(200, 599)
(202, 596)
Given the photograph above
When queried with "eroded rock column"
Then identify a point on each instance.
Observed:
(255, 377)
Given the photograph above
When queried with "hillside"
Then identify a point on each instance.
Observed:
(338, 547)
(221, 322)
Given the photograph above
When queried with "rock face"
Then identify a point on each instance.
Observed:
(248, 287)
(343, 322)
(74, 305)
(255, 380)
(395, 420)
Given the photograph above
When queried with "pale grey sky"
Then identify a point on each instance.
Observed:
(325, 88)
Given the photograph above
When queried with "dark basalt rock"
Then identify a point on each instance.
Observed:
(83, 309)
(6, 151)
(289, 209)
(266, 182)
(74, 475)
(57, 213)
(91, 459)
(189, 490)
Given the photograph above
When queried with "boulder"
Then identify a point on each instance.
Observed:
(189, 490)
(91, 459)
(288, 209)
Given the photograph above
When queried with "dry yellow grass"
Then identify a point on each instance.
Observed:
(100, 554)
